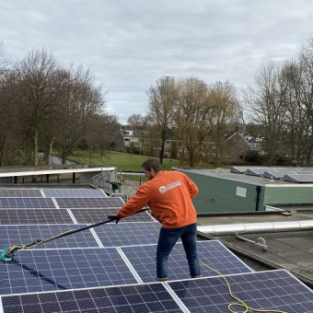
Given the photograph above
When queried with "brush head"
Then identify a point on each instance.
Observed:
(6, 256)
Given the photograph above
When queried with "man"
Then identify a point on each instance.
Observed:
(168, 194)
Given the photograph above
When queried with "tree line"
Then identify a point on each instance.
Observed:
(197, 114)
(277, 108)
(281, 103)
(43, 104)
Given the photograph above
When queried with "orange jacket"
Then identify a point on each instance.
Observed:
(169, 196)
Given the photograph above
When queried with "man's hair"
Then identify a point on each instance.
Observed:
(152, 163)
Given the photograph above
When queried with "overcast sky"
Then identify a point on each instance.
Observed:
(130, 44)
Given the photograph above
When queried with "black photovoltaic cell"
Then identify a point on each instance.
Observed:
(22, 203)
(77, 193)
(128, 234)
(91, 216)
(276, 290)
(34, 216)
(47, 270)
(212, 253)
(125, 299)
(72, 203)
(22, 234)
(20, 193)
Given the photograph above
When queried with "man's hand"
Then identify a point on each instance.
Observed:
(114, 217)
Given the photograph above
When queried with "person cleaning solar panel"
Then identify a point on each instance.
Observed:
(8, 253)
(169, 196)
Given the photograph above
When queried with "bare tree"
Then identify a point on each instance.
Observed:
(306, 99)
(48, 104)
(295, 127)
(80, 101)
(37, 72)
(266, 106)
(162, 98)
(104, 133)
(11, 132)
(50, 127)
(224, 117)
(136, 121)
(3, 59)
(191, 116)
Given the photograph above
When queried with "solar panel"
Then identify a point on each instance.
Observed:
(77, 193)
(263, 290)
(255, 172)
(304, 170)
(91, 216)
(46, 270)
(34, 216)
(128, 234)
(210, 252)
(280, 173)
(299, 178)
(252, 170)
(21, 203)
(72, 203)
(18, 235)
(20, 193)
(77, 261)
(277, 174)
(238, 169)
(125, 299)
(271, 172)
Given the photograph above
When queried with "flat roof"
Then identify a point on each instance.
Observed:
(55, 171)
(291, 250)
(242, 177)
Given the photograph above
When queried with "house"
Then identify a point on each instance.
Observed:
(256, 143)
(137, 140)
(237, 147)
(131, 137)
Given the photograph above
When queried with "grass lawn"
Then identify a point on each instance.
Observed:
(122, 161)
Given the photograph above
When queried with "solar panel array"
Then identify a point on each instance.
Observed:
(74, 203)
(289, 174)
(111, 267)
(213, 252)
(14, 235)
(23, 203)
(264, 290)
(74, 193)
(44, 270)
(20, 193)
(96, 215)
(34, 216)
(136, 298)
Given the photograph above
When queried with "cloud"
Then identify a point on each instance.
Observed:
(131, 44)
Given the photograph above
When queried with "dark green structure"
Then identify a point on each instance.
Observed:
(225, 192)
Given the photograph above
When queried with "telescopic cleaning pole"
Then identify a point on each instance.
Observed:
(9, 252)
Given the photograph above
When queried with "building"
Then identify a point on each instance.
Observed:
(256, 143)
(236, 148)
(111, 267)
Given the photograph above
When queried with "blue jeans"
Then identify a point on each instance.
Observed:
(167, 240)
